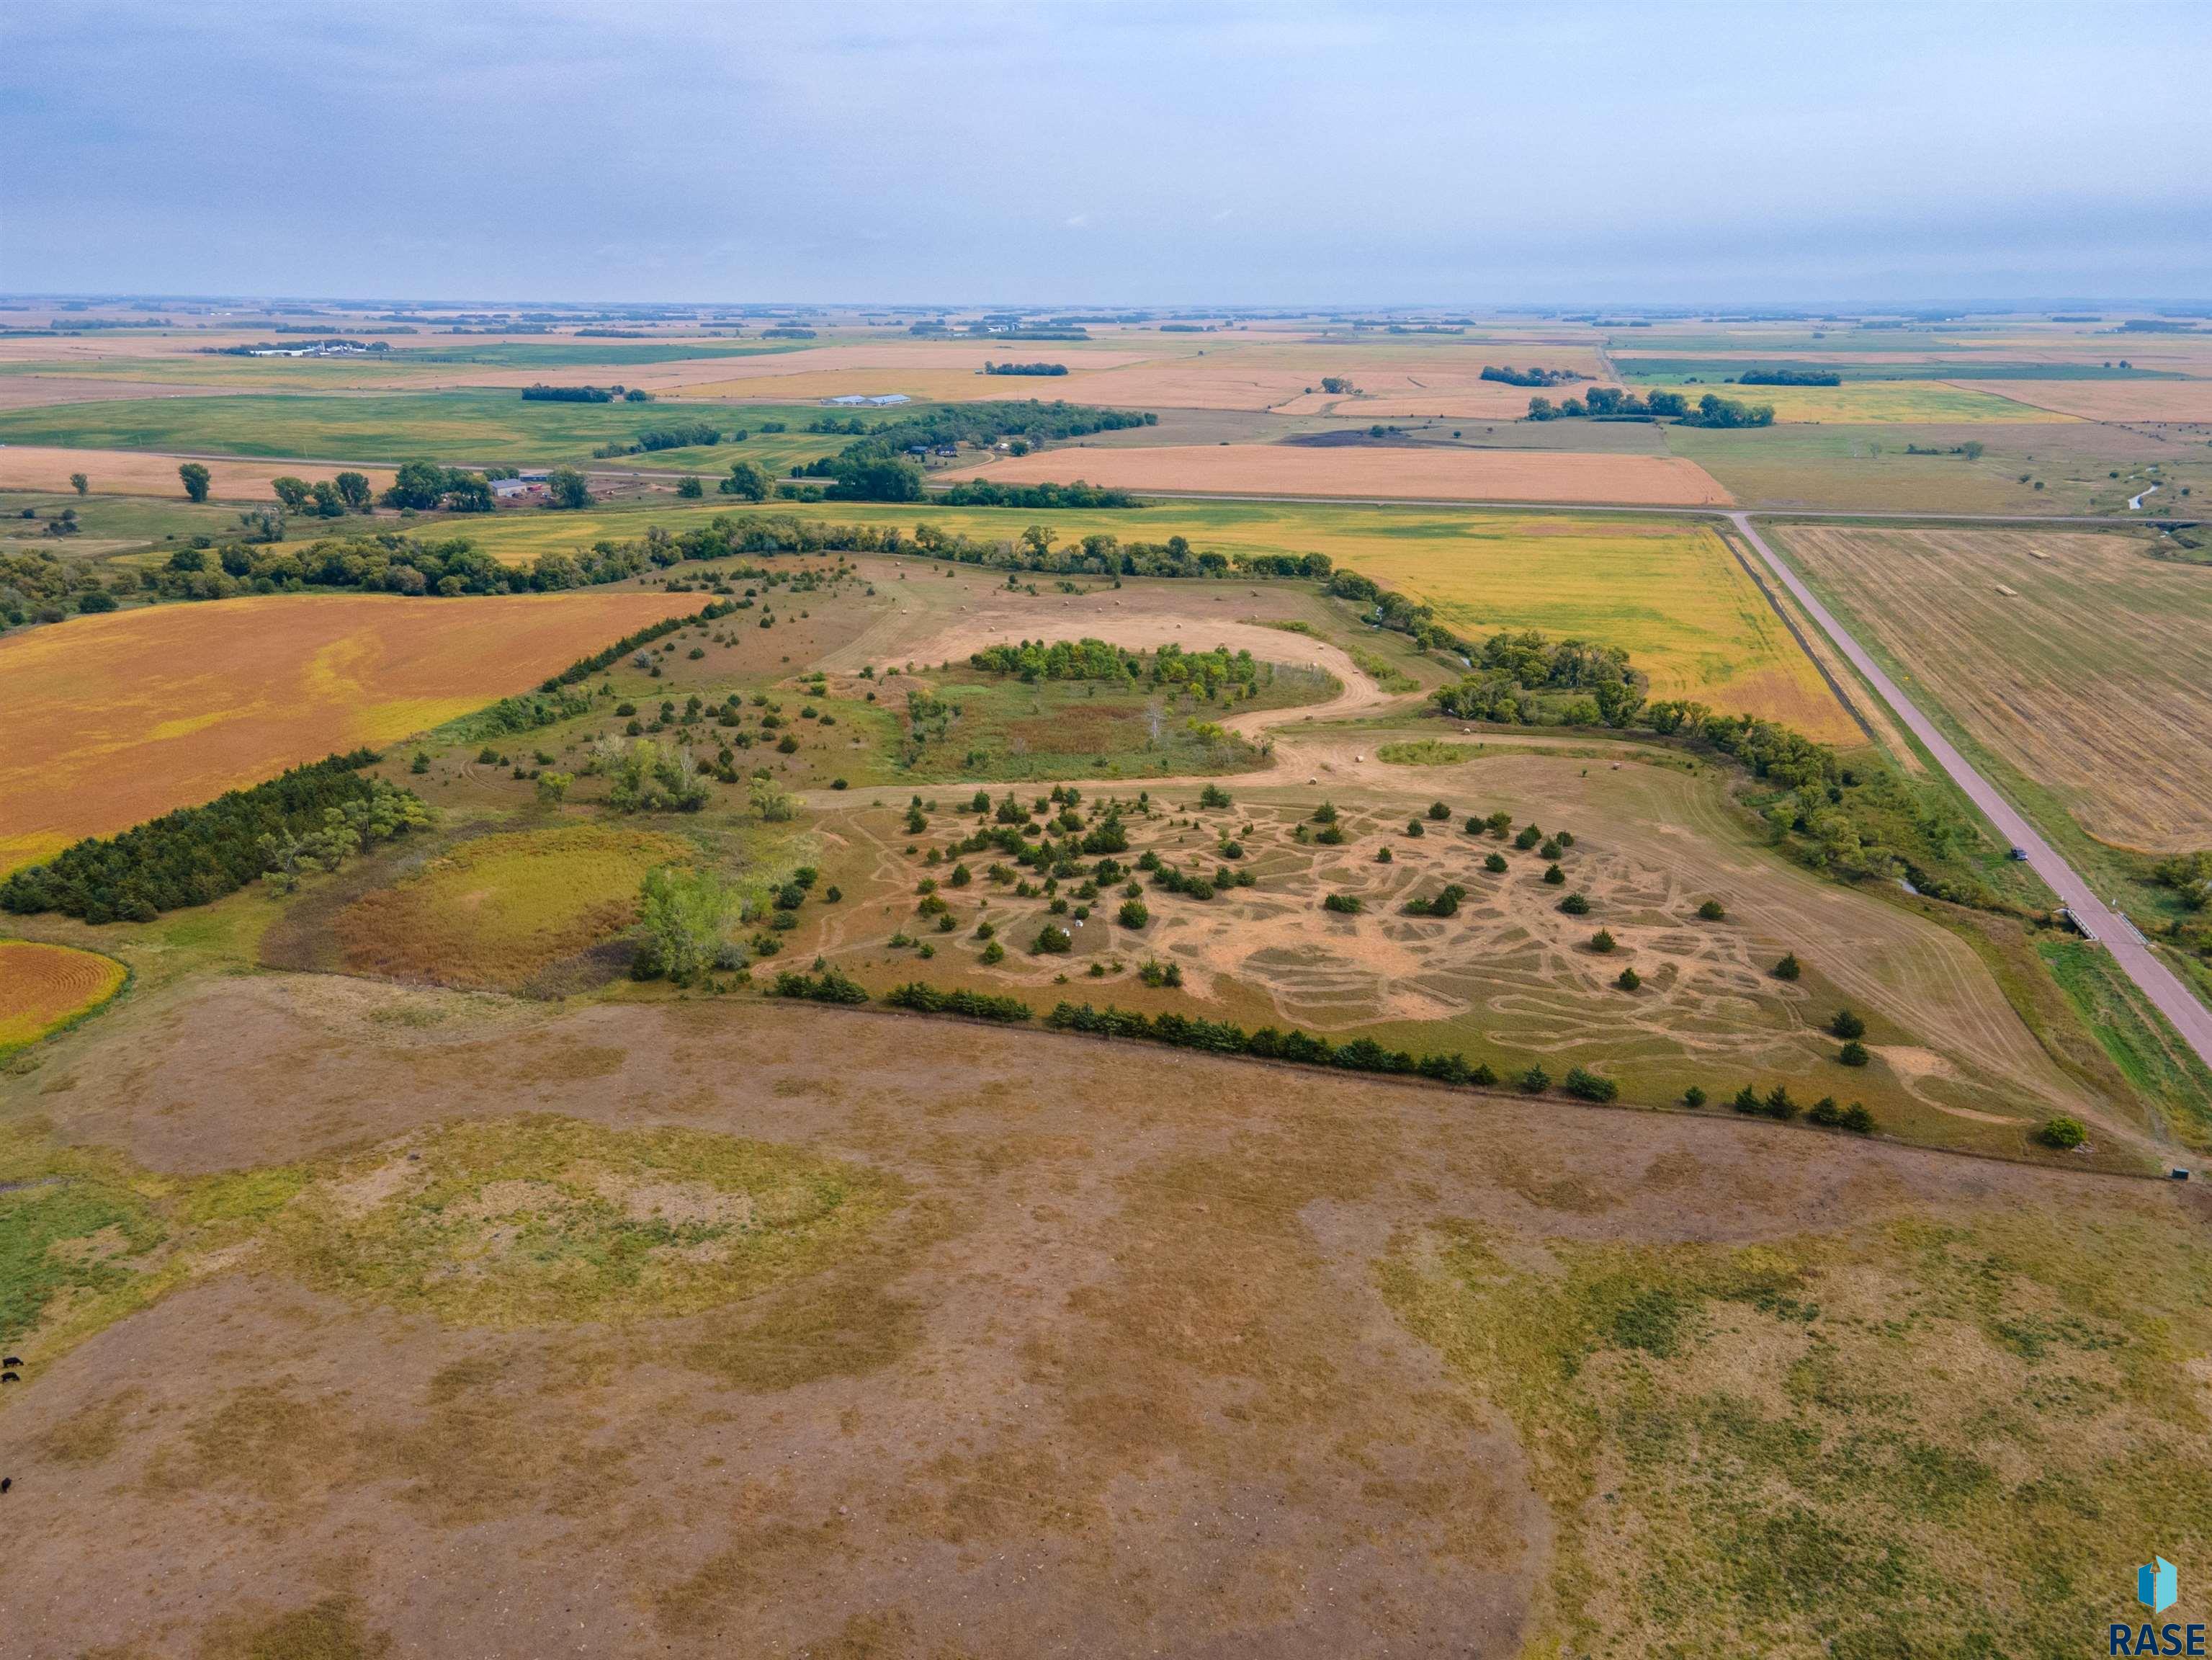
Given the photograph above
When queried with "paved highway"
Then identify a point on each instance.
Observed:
(2158, 982)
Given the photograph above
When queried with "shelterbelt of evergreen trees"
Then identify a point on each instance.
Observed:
(320, 812)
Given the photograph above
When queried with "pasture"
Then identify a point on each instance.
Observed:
(476, 428)
(45, 987)
(2079, 661)
(498, 912)
(883, 1294)
(1425, 471)
(1670, 591)
(1508, 978)
(116, 719)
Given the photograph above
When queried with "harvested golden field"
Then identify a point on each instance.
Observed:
(498, 912)
(1672, 594)
(2082, 662)
(2108, 400)
(43, 986)
(118, 718)
(1409, 472)
(133, 472)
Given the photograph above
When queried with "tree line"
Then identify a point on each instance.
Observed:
(197, 855)
(1616, 404)
(989, 368)
(1531, 377)
(878, 468)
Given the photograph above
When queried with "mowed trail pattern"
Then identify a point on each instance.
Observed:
(2079, 660)
(116, 718)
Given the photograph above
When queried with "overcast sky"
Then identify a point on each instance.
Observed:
(1186, 154)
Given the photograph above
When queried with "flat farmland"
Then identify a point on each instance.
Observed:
(1888, 401)
(131, 472)
(2082, 663)
(481, 427)
(2109, 400)
(1363, 471)
(116, 719)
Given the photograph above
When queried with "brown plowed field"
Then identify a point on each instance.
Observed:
(116, 718)
(2092, 676)
(134, 473)
(1410, 473)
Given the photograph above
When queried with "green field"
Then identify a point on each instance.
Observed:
(484, 428)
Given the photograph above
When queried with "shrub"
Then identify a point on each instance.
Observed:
(993, 952)
(1528, 839)
(1576, 904)
(1496, 865)
(1535, 1081)
(1693, 1096)
(1346, 904)
(1587, 1085)
(1777, 1104)
(2063, 1133)
(1413, 827)
(976, 1005)
(1157, 973)
(1853, 1054)
(1134, 914)
(1824, 1112)
(1712, 911)
(1747, 1099)
(1439, 812)
(1629, 980)
(1847, 1024)
(829, 987)
(1051, 940)
(1330, 835)
(1554, 877)
(1602, 942)
(1857, 1120)
(1213, 796)
(1788, 967)
(1325, 813)
(1551, 849)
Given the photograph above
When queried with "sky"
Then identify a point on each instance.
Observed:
(1188, 154)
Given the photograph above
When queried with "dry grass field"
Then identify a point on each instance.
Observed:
(2108, 400)
(498, 912)
(452, 1324)
(115, 719)
(1298, 469)
(2084, 663)
(43, 986)
(131, 472)
(1507, 979)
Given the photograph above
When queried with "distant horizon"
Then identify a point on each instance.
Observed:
(1601, 153)
(2178, 306)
